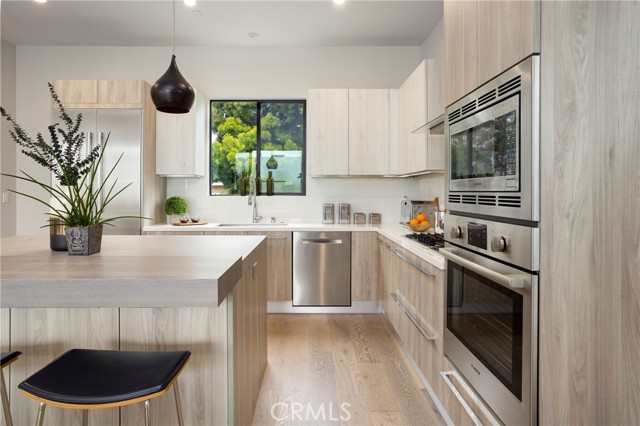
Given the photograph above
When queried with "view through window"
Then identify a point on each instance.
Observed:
(267, 134)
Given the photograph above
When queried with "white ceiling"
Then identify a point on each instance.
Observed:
(219, 23)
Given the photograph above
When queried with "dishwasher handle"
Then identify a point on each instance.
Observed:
(321, 241)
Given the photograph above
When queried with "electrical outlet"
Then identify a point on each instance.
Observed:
(5, 197)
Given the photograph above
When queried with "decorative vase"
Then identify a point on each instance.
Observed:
(84, 240)
(57, 236)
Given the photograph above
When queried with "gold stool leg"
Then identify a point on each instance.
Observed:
(40, 417)
(146, 413)
(5, 401)
(176, 393)
(85, 417)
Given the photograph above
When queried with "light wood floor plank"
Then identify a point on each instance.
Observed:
(341, 369)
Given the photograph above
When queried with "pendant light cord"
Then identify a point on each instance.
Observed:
(174, 26)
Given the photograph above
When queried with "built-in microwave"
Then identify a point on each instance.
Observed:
(492, 157)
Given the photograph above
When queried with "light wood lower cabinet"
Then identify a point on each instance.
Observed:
(280, 263)
(364, 270)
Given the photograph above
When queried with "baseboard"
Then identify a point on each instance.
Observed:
(286, 307)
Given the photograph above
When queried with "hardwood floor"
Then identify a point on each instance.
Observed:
(338, 370)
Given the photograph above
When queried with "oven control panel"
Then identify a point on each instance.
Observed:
(515, 244)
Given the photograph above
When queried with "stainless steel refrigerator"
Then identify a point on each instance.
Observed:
(125, 129)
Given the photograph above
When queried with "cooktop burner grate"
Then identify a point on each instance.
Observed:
(434, 241)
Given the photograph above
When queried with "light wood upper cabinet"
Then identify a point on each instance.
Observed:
(435, 108)
(328, 132)
(368, 131)
(416, 97)
(412, 147)
(460, 49)
(101, 93)
(181, 141)
(508, 32)
(484, 38)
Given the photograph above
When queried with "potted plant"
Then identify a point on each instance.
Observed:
(75, 201)
(175, 206)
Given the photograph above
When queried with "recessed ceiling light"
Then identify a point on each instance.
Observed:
(338, 1)
(190, 3)
(253, 35)
(41, 1)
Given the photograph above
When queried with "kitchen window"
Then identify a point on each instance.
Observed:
(255, 138)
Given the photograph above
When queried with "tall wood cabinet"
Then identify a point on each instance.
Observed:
(369, 131)
(484, 38)
(181, 141)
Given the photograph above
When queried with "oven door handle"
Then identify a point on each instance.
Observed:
(512, 281)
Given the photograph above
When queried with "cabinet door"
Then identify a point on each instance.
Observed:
(412, 147)
(435, 151)
(368, 131)
(76, 91)
(508, 32)
(364, 255)
(417, 97)
(434, 89)
(394, 122)
(328, 131)
(120, 92)
(180, 141)
(279, 262)
(460, 49)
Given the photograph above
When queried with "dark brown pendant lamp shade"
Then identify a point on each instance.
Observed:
(172, 93)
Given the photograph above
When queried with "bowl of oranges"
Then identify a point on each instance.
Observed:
(419, 223)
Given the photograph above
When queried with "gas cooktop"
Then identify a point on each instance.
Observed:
(433, 241)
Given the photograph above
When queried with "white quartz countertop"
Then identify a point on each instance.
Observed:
(130, 271)
(393, 231)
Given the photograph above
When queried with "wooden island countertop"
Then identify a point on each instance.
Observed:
(130, 271)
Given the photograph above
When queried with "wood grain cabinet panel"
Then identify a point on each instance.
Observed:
(435, 108)
(181, 141)
(508, 32)
(364, 265)
(460, 49)
(42, 334)
(328, 131)
(368, 131)
(280, 263)
(120, 92)
(76, 91)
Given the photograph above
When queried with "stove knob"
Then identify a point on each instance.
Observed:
(498, 243)
(456, 232)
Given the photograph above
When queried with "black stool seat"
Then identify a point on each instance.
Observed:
(7, 357)
(92, 377)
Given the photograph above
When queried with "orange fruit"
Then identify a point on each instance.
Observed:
(414, 222)
(424, 222)
(421, 217)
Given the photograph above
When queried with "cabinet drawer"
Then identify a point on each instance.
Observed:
(462, 404)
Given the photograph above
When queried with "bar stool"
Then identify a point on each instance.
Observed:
(7, 358)
(86, 379)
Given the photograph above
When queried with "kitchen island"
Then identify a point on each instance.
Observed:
(206, 295)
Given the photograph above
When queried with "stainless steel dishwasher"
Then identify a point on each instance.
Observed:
(322, 269)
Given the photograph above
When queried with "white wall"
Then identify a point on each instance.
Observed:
(226, 73)
(7, 145)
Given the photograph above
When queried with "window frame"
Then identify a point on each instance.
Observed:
(303, 183)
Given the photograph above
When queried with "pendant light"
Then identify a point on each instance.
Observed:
(172, 93)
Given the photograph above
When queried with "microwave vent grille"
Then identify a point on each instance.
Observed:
(510, 201)
(486, 98)
(469, 199)
(469, 107)
(455, 114)
(487, 200)
(454, 198)
(510, 85)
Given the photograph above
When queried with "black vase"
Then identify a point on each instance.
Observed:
(172, 93)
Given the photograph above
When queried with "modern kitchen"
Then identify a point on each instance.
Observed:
(357, 212)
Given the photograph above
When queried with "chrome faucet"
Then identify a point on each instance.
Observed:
(252, 200)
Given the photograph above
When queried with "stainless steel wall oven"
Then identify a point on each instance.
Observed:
(492, 241)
